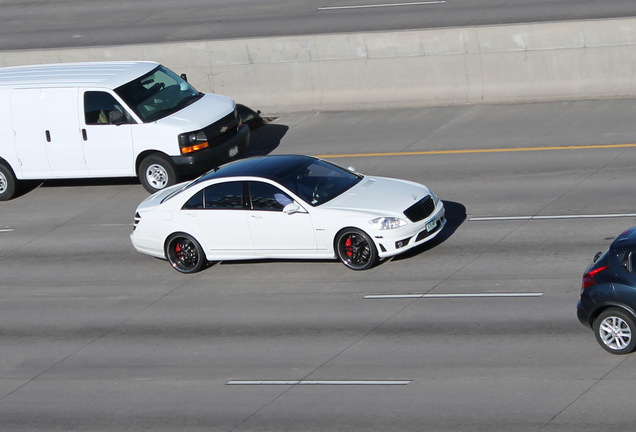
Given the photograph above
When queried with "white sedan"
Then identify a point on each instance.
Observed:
(286, 206)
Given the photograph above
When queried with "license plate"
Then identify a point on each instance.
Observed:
(430, 226)
(233, 151)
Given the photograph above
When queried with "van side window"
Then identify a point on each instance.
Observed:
(103, 108)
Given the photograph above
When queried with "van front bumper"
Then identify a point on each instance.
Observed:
(204, 160)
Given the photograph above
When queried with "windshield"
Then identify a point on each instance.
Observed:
(319, 181)
(157, 94)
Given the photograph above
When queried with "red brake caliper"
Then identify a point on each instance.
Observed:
(177, 249)
(348, 248)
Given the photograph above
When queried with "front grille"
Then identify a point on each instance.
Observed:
(421, 209)
(221, 130)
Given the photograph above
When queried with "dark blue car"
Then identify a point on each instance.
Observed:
(608, 295)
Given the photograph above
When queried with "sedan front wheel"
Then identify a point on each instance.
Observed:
(355, 249)
(184, 253)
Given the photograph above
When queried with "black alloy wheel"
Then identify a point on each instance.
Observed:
(184, 253)
(355, 249)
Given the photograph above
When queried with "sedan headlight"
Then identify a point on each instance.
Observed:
(386, 223)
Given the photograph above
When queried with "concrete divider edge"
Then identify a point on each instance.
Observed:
(409, 68)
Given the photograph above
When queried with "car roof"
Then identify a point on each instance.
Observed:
(93, 74)
(273, 167)
(626, 239)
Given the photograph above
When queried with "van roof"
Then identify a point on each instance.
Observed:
(96, 74)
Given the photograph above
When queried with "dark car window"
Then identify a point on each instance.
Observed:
(222, 196)
(629, 262)
(319, 181)
(102, 108)
(264, 196)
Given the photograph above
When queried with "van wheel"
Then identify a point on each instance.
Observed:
(8, 183)
(156, 173)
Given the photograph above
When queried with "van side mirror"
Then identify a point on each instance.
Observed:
(116, 117)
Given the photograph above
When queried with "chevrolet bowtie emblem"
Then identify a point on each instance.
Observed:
(224, 129)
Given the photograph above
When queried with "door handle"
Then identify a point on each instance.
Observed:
(47, 134)
(84, 135)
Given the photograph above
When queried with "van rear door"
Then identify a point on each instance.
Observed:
(47, 133)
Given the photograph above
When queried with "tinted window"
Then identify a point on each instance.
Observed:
(264, 196)
(157, 94)
(223, 196)
(318, 181)
(101, 108)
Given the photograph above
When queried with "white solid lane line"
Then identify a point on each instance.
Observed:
(368, 6)
(456, 295)
(322, 382)
(580, 216)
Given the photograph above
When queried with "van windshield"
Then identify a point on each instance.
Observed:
(158, 94)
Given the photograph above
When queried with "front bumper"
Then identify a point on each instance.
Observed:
(211, 157)
(393, 242)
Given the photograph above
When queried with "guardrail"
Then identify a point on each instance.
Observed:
(412, 68)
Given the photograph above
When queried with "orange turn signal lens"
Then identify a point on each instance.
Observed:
(196, 147)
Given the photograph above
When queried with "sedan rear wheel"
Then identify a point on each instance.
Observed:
(355, 249)
(614, 331)
(184, 253)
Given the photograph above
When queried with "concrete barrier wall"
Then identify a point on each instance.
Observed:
(451, 66)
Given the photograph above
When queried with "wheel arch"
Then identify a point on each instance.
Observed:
(144, 154)
(622, 307)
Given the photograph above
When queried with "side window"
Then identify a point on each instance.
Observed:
(225, 196)
(629, 261)
(196, 202)
(103, 108)
(264, 196)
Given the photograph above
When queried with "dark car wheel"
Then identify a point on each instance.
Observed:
(156, 173)
(614, 331)
(184, 253)
(355, 249)
(7, 183)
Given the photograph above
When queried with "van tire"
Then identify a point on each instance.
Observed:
(8, 183)
(156, 172)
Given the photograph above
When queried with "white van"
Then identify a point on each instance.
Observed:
(111, 119)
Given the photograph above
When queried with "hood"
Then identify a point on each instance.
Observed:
(202, 113)
(381, 195)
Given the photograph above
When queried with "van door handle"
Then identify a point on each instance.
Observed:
(84, 135)
(48, 136)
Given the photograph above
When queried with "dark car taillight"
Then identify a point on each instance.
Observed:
(588, 278)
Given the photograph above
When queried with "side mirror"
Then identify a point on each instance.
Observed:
(116, 117)
(352, 169)
(292, 208)
(184, 77)
(597, 256)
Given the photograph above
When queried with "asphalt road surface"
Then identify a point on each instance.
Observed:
(96, 337)
(26, 24)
